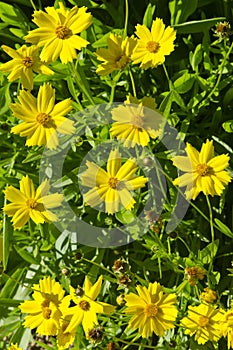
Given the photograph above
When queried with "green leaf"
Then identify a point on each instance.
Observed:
(206, 254)
(25, 255)
(184, 83)
(125, 217)
(197, 26)
(223, 228)
(5, 99)
(148, 16)
(10, 302)
(196, 57)
(13, 15)
(12, 283)
(228, 126)
(181, 10)
(7, 234)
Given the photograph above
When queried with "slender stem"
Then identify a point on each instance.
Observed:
(33, 5)
(132, 83)
(185, 244)
(100, 266)
(211, 218)
(130, 343)
(126, 17)
(167, 76)
(221, 68)
(111, 99)
(135, 344)
(81, 81)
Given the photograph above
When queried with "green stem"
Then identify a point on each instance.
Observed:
(126, 18)
(211, 218)
(132, 343)
(132, 83)
(167, 76)
(100, 266)
(185, 244)
(33, 5)
(221, 68)
(81, 81)
(212, 239)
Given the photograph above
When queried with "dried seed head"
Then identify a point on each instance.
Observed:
(124, 280)
(194, 274)
(96, 334)
(120, 266)
(79, 291)
(223, 30)
(65, 271)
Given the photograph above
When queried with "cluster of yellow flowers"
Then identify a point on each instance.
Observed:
(152, 311)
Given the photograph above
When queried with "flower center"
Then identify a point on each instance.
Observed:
(43, 119)
(151, 310)
(84, 305)
(113, 182)
(202, 169)
(137, 121)
(63, 32)
(31, 203)
(46, 312)
(153, 46)
(27, 61)
(122, 61)
(203, 321)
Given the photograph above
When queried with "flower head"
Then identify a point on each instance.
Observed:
(86, 309)
(57, 32)
(117, 55)
(136, 122)
(64, 338)
(204, 172)
(223, 30)
(112, 186)
(14, 347)
(227, 327)
(152, 46)
(24, 62)
(152, 310)
(44, 310)
(42, 118)
(209, 296)
(203, 321)
(28, 203)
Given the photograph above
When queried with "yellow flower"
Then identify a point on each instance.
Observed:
(152, 310)
(42, 118)
(136, 122)
(203, 321)
(118, 54)
(209, 296)
(86, 309)
(112, 186)
(204, 172)
(57, 32)
(44, 310)
(25, 61)
(227, 327)
(28, 203)
(64, 338)
(14, 347)
(146, 101)
(154, 45)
